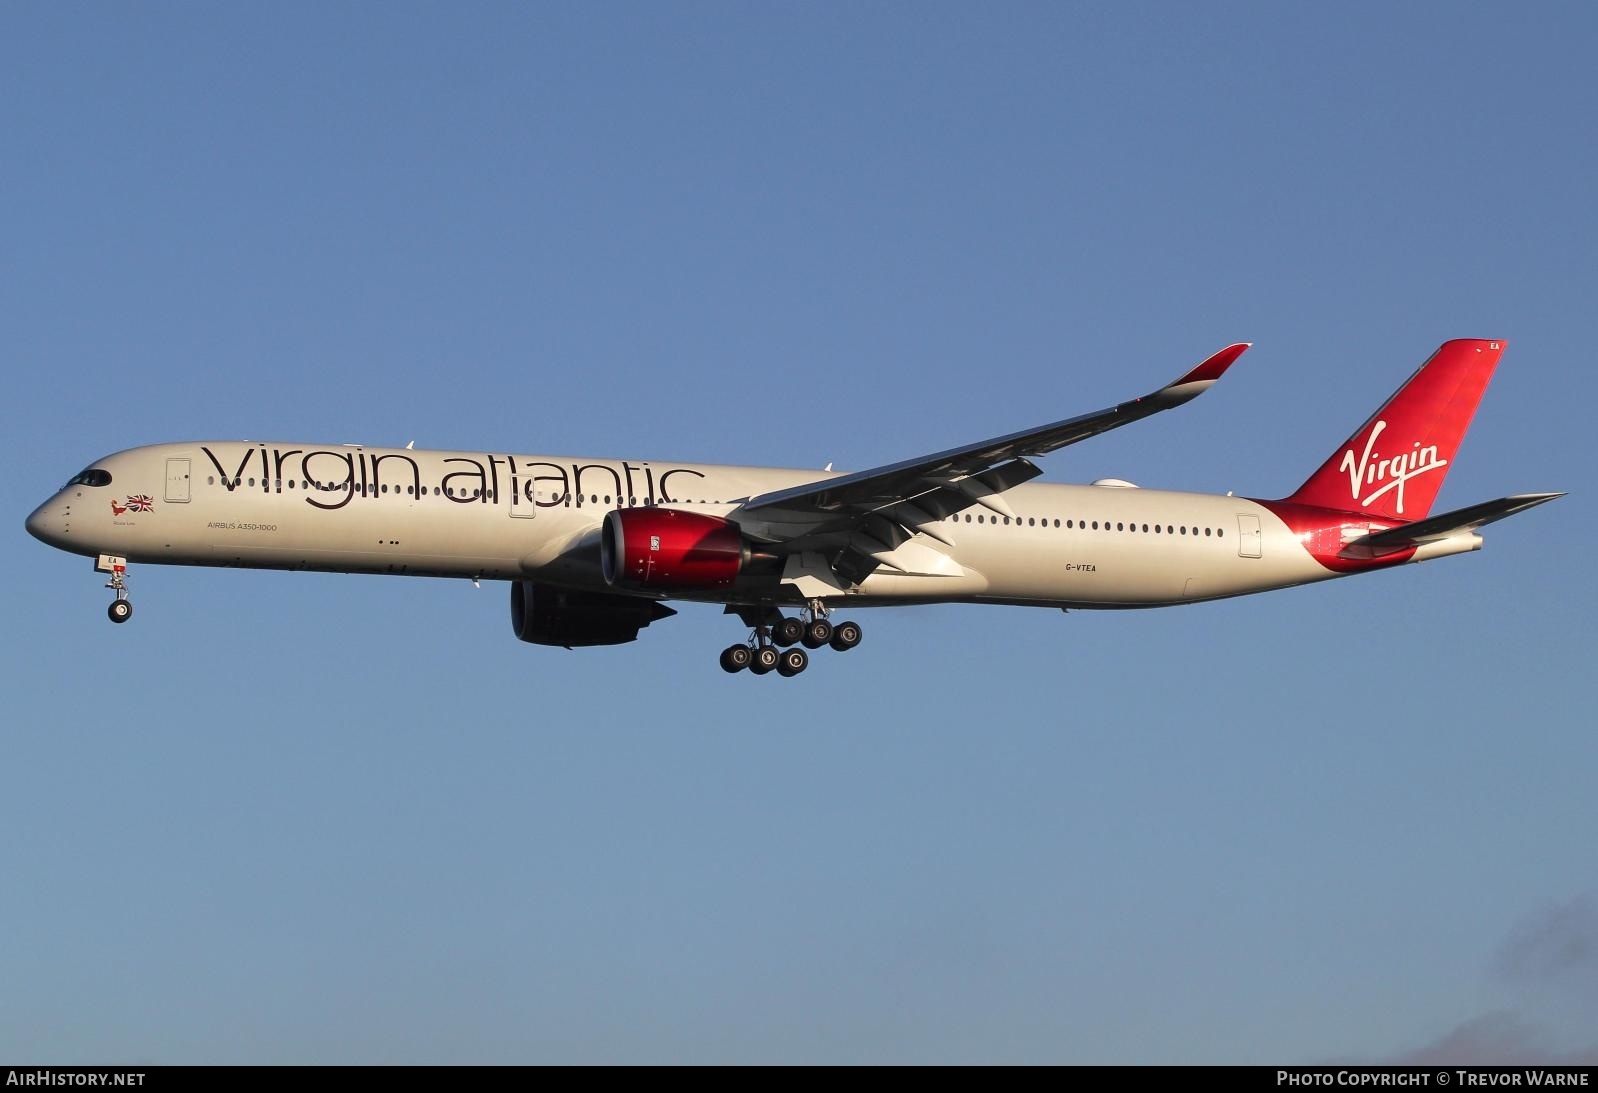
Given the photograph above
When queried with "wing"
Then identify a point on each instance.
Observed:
(875, 511)
(983, 469)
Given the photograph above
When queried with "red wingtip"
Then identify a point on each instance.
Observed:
(1210, 370)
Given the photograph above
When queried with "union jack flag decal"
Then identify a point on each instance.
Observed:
(141, 502)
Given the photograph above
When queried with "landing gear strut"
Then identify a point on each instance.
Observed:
(121, 609)
(773, 635)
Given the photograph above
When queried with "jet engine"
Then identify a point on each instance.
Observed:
(545, 615)
(665, 549)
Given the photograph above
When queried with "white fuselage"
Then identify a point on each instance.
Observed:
(359, 509)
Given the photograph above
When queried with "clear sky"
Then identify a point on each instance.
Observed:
(312, 818)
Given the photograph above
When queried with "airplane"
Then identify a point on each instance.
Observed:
(593, 548)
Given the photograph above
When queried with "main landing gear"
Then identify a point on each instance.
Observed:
(771, 644)
(121, 609)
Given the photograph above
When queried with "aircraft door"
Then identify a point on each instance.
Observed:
(521, 498)
(177, 481)
(1248, 535)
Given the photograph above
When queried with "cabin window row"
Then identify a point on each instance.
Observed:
(344, 487)
(1094, 525)
(594, 499)
(409, 491)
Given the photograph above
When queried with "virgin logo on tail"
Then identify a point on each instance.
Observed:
(1391, 472)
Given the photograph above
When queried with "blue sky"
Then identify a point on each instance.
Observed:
(310, 818)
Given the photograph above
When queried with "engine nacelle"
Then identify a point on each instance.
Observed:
(663, 549)
(545, 615)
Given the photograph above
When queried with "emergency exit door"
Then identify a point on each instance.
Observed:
(1248, 535)
(177, 481)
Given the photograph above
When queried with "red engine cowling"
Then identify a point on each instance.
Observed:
(665, 548)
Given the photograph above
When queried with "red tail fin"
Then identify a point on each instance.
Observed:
(1393, 466)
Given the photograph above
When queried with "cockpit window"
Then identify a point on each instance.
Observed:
(94, 476)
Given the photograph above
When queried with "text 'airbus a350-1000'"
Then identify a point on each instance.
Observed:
(594, 547)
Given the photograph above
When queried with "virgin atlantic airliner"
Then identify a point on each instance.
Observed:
(593, 548)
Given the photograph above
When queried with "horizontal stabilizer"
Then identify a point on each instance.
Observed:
(1449, 524)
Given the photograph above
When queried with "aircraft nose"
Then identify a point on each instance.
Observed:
(47, 523)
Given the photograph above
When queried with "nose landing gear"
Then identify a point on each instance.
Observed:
(121, 609)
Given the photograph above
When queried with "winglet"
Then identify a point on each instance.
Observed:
(1197, 380)
(1214, 365)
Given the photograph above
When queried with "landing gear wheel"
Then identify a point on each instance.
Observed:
(735, 658)
(817, 633)
(845, 636)
(764, 660)
(792, 662)
(786, 631)
(120, 610)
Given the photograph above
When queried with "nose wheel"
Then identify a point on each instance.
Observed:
(771, 646)
(121, 609)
